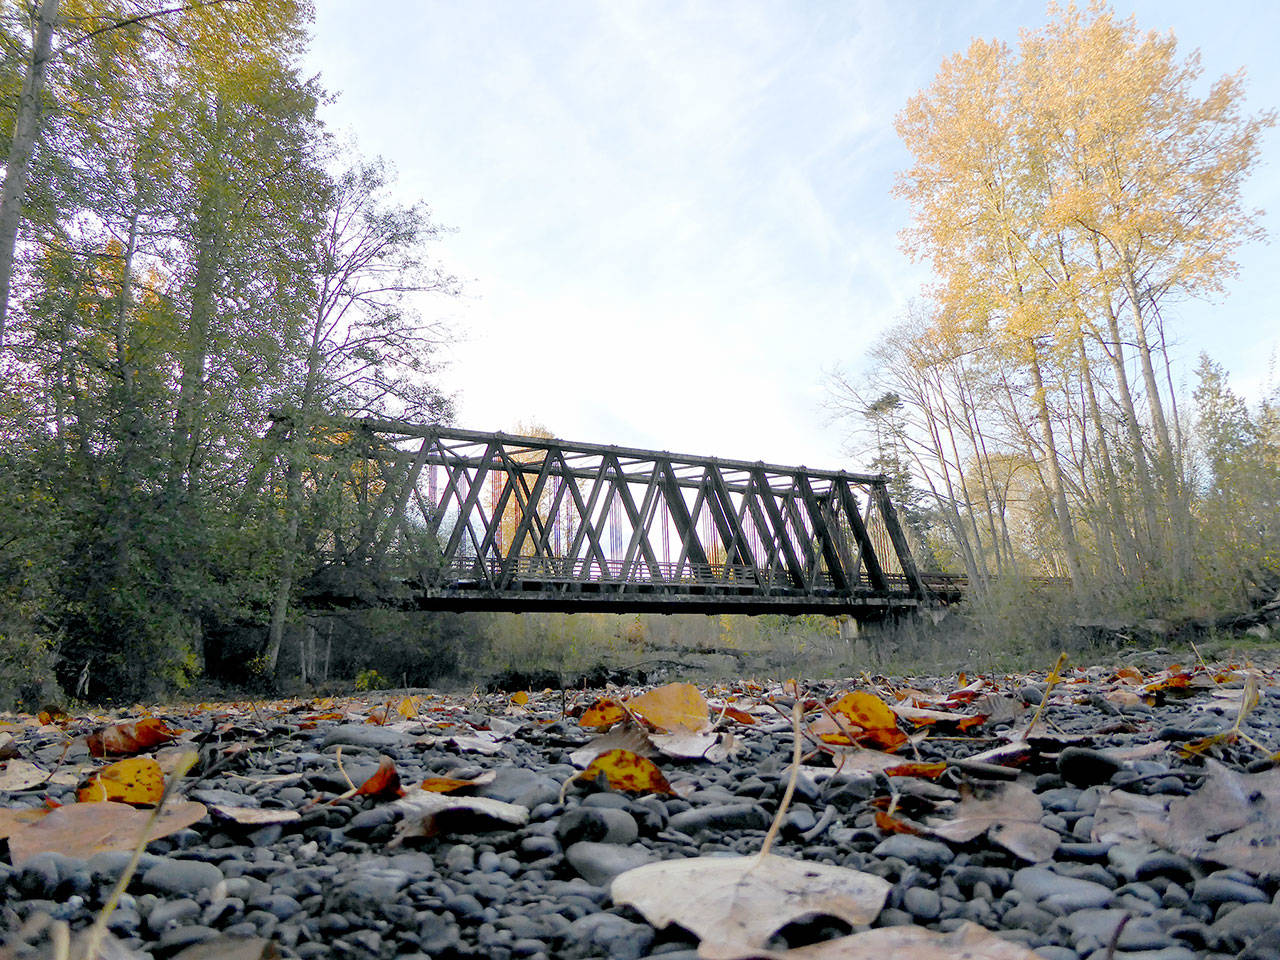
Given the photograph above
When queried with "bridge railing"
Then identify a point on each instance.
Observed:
(580, 569)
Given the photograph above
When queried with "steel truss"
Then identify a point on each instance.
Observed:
(439, 518)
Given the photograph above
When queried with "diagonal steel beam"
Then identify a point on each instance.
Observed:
(890, 517)
(818, 513)
(640, 519)
(866, 550)
(778, 527)
(690, 546)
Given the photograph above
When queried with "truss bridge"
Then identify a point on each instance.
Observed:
(438, 518)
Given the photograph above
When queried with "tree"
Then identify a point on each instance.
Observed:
(1239, 505)
(1063, 193)
(81, 22)
(365, 350)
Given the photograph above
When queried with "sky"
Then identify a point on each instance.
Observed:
(672, 220)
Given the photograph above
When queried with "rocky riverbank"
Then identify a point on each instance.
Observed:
(1139, 844)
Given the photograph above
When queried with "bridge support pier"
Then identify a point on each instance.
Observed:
(856, 643)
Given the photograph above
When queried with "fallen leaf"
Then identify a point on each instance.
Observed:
(1008, 813)
(137, 781)
(735, 904)
(21, 775)
(520, 698)
(605, 712)
(872, 716)
(627, 737)
(1232, 819)
(255, 816)
(131, 737)
(79, 830)
(739, 716)
(385, 781)
(409, 707)
(675, 706)
(967, 942)
(1124, 817)
(930, 771)
(685, 744)
(452, 784)
(13, 818)
(485, 743)
(223, 947)
(625, 770)
(428, 814)
(888, 823)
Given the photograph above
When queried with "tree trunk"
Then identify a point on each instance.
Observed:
(288, 558)
(1146, 490)
(1071, 548)
(209, 227)
(25, 131)
(1119, 534)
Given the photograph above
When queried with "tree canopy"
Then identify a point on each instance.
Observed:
(1065, 190)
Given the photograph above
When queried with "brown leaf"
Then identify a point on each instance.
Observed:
(11, 819)
(80, 830)
(1233, 819)
(231, 948)
(866, 719)
(735, 904)
(131, 737)
(967, 942)
(454, 784)
(1011, 813)
(254, 816)
(428, 814)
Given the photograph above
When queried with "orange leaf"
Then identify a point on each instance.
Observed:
(930, 771)
(891, 824)
(627, 771)
(385, 781)
(1174, 682)
(130, 737)
(870, 714)
(733, 713)
(520, 698)
(137, 781)
(673, 706)
(605, 712)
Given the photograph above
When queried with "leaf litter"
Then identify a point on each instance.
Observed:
(848, 734)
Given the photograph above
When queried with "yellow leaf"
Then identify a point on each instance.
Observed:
(625, 770)
(520, 698)
(605, 712)
(137, 781)
(673, 706)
